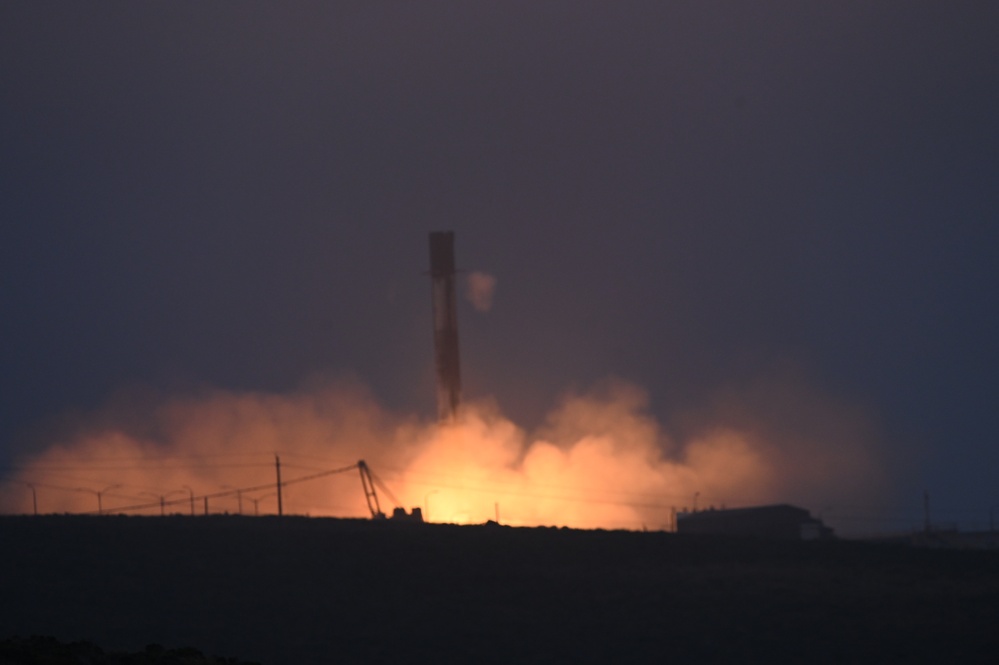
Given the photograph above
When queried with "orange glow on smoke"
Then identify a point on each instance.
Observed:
(615, 476)
(599, 461)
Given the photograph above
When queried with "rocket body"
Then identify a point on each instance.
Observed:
(442, 274)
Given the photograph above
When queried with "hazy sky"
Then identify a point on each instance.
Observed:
(702, 198)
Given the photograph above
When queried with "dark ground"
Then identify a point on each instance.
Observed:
(299, 591)
(42, 650)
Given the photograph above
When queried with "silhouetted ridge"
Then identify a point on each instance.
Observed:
(50, 651)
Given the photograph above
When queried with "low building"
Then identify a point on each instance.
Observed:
(400, 515)
(779, 521)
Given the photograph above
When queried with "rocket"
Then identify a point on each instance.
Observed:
(445, 325)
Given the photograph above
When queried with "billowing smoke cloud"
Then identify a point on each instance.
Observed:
(479, 289)
(599, 460)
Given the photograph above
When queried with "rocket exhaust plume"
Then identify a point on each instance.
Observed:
(445, 326)
(601, 459)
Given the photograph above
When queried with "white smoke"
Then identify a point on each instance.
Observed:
(600, 460)
(479, 289)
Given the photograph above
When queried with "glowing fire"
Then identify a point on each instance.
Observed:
(599, 461)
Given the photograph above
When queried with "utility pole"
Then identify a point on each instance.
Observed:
(100, 503)
(277, 467)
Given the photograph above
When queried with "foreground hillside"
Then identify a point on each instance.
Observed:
(41, 650)
(298, 590)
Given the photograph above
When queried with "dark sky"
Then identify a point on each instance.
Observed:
(688, 195)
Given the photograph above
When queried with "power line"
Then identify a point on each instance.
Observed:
(234, 492)
(856, 514)
(406, 476)
(134, 467)
(536, 495)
